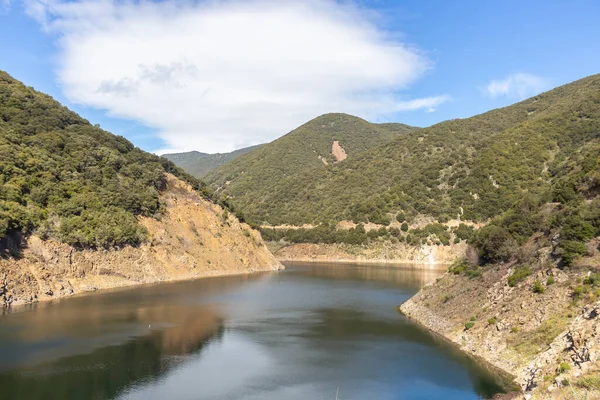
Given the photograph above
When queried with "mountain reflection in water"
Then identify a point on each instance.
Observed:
(297, 334)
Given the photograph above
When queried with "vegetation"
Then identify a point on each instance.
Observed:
(462, 267)
(519, 274)
(537, 287)
(529, 343)
(257, 180)
(69, 180)
(199, 164)
(563, 367)
(469, 325)
(590, 382)
(477, 168)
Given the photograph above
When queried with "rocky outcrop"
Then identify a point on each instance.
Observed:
(400, 253)
(192, 238)
(544, 340)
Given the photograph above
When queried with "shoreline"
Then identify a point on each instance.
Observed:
(391, 262)
(125, 285)
(407, 309)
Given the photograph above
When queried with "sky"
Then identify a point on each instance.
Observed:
(214, 75)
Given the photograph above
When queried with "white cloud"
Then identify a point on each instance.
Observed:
(519, 85)
(217, 75)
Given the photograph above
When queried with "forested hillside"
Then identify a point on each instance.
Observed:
(259, 174)
(199, 164)
(66, 179)
(475, 168)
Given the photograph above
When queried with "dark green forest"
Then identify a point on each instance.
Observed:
(476, 167)
(67, 179)
(252, 179)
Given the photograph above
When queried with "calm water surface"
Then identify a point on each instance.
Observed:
(304, 333)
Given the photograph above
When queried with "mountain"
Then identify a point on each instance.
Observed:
(199, 164)
(321, 145)
(474, 168)
(82, 209)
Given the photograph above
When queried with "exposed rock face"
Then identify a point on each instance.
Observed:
(528, 335)
(376, 252)
(338, 151)
(193, 238)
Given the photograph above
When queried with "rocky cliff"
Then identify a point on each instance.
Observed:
(191, 238)
(544, 331)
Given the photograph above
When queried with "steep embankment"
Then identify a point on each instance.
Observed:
(375, 252)
(544, 330)
(193, 238)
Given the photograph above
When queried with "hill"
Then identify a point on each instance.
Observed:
(67, 179)
(321, 144)
(474, 168)
(199, 164)
(82, 209)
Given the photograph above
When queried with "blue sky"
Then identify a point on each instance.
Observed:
(204, 76)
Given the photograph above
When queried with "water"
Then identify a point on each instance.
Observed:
(306, 333)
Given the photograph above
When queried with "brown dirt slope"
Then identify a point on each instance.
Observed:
(192, 238)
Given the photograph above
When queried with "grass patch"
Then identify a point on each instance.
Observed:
(590, 382)
(563, 367)
(519, 274)
(530, 343)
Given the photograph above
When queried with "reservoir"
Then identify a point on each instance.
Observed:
(317, 331)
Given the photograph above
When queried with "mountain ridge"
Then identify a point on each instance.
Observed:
(199, 164)
(475, 167)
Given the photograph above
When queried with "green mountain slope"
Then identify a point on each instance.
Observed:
(256, 175)
(66, 179)
(199, 164)
(476, 167)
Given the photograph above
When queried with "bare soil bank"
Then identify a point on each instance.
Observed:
(192, 239)
(399, 253)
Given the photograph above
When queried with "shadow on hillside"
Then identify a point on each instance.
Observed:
(12, 245)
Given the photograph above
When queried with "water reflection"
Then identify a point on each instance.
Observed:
(407, 275)
(299, 334)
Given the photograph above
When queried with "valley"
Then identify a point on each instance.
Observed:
(503, 205)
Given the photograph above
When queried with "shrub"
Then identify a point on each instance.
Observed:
(571, 250)
(577, 292)
(469, 325)
(404, 227)
(495, 244)
(492, 321)
(593, 279)
(563, 367)
(519, 274)
(550, 280)
(537, 287)
(462, 267)
(464, 232)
